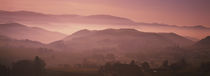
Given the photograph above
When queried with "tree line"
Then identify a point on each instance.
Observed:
(36, 67)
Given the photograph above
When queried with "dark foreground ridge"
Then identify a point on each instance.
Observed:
(36, 67)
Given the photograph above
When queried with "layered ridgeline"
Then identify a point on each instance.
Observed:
(19, 31)
(40, 18)
(14, 43)
(96, 47)
(62, 23)
(200, 51)
(121, 39)
(12, 50)
(99, 46)
(204, 43)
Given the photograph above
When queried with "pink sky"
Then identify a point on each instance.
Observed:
(175, 12)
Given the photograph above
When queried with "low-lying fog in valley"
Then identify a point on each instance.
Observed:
(46, 44)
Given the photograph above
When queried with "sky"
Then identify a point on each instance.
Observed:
(173, 12)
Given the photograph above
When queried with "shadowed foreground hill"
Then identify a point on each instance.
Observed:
(204, 42)
(13, 49)
(88, 49)
(200, 51)
(99, 46)
(123, 39)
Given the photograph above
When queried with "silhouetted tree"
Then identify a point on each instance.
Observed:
(145, 66)
(165, 66)
(179, 65)
(132, 62)
(4, 71)
(205, 69)
(39, 66)
(23, 68)
(119, 69)
(165, 63)
(28, 67)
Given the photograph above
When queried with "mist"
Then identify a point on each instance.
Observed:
(106, 38)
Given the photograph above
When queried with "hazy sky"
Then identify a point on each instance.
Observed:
(176, 12)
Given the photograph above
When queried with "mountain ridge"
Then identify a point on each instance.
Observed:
(204, 42)
(102, 16)
(19, 31)
(77, 22)
(109, 38)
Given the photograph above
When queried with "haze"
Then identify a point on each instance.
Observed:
(173, 12)
(104, 38)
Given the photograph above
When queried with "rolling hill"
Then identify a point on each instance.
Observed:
(62, 23)
(123, 39)
(19, 31)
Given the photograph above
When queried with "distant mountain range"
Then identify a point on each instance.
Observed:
(76, 22)
(33, 17)
(23, 35)
(97, 45)
(19, 31)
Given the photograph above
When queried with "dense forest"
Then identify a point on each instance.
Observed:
(36, 67)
